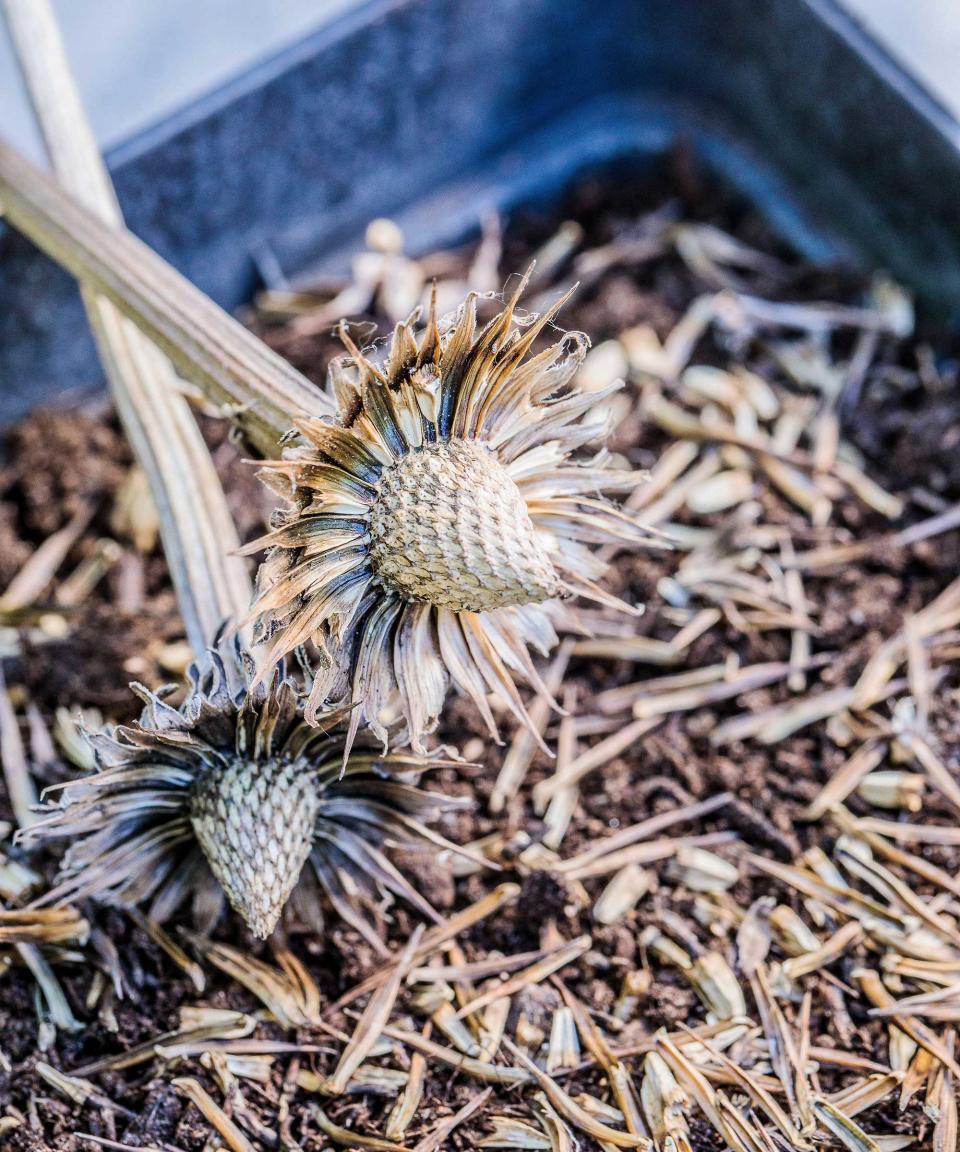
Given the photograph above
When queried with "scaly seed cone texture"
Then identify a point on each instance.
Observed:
(451, 528)
(233, 793)
(254, 823)
(437, 523)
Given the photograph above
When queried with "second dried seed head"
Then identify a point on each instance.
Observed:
(434, 527)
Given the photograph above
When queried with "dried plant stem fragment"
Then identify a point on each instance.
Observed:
(875, 991)
(198, 1095)
(829, 952)
(433, 1140)
(349, 1139)
(408, 1102)
(249, 383)
(524, 745)
(845, 780)
(449, 929)
(478, 1069)
(590, 760)
(849, 1133)
(570, 1110)
(21, 789)
(536, 973)
(198, 532)
(28, 584)
(372, 1022)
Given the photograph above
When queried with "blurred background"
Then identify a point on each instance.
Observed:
(160, 54)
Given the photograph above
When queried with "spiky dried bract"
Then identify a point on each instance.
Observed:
(233, 786)
(437, 523)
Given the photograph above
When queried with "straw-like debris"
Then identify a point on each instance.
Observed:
(726, 915)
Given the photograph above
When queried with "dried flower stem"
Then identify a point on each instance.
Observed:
(248, 382)
(198, 533)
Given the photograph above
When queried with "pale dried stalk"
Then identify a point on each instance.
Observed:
(478, 1069)
(875, 991)
(524, 746)
(198, 533)
(449, 929)
(213, 1113)
(59, 1007)
(348, 1138)
(43, 926)
(408, 1102)
(251, 385)
(864, 760)
(28, 584)
(435, 1139)
(374, 1018)
(532, 975)
(21, 789)
(570, 1110)
(78, 1090)
(646, 829)
(595, 757)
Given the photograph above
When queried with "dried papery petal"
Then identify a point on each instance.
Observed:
(434, 524)
(234, 787)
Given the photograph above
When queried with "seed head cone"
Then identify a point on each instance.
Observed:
(254, 823)
(450, 528)
(435, 527)
(234, 794)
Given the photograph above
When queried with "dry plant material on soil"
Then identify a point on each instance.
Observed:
(724, 916)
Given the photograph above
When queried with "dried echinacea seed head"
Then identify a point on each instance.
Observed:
(233, 793)
(436, 525)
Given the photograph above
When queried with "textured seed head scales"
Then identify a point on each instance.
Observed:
(450, 528)
(255, 824)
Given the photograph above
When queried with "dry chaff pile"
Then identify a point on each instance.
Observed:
(569, 821)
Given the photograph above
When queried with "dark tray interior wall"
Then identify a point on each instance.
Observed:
(437, 102)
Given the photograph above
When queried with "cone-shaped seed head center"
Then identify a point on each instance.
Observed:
(450, 527)
(255, 824)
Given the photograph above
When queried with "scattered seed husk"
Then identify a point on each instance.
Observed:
(564, 1048)
(509, 1132)
(570, 1110)
(552, 962)
(622, 894)
(830, 951)
(715, 983)
(375, 1016)
(702, 871)
(894, 789)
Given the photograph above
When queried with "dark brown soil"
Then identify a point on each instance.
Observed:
(910, 434)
